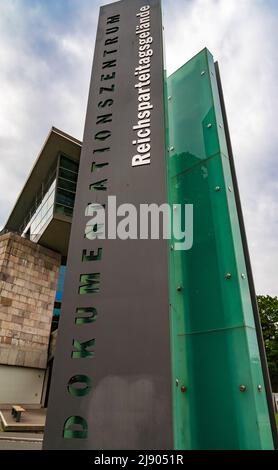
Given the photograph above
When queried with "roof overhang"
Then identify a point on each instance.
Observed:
(56, 142)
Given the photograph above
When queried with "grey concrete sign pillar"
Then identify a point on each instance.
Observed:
(111, 383)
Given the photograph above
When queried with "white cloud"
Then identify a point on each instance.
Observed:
(45, 70)
(45, 64)
(242, 36)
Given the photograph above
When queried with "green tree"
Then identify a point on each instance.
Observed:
(268, 308)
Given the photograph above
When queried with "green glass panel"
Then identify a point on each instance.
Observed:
(214, 342)
(69, 164)
(60, 209)
(67, 174)
(65, 197)
(194, 137)
(203, 270)
(66, 184)
(218, 415)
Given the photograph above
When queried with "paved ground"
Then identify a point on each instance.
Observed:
(19, 445)
(20, 441)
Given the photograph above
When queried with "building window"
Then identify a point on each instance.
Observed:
(41, 208)
(66, 186)
(59, 295)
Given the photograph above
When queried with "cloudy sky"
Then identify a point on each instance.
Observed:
(46, 50)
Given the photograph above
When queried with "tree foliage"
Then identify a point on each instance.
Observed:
(268, 308)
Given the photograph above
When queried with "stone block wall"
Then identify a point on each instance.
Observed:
(28, 281)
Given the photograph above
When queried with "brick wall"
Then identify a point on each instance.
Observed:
(28, 280)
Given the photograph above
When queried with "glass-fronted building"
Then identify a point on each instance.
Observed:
(55, 196)
(44, 209)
